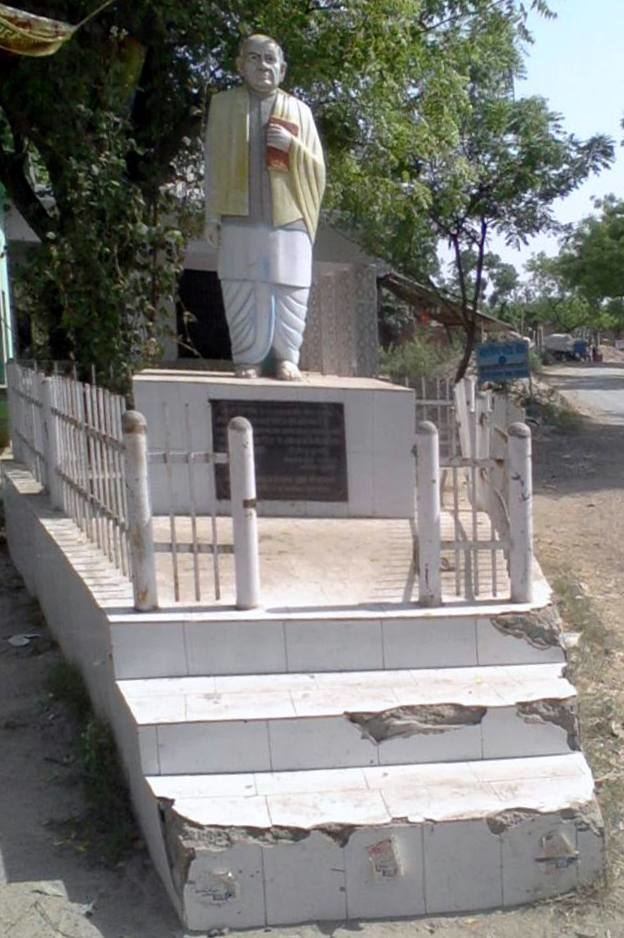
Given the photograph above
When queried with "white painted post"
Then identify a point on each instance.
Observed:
(428, 507)
(244, 519)
(140, 535)
(463, 416)
(482, 443)
(470, 390)
(51, 444)
(520, 513)
(12, 376)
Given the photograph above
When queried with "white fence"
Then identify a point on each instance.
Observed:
(184, 537)
(26, 410)
(435, 402)
(477, 496)
(69, 435)
(474, 501)
(81, 444)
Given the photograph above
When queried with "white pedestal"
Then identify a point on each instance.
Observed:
(379, 423)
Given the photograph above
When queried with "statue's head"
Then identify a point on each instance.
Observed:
(261, 63)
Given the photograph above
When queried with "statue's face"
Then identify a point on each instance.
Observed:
(261, 65)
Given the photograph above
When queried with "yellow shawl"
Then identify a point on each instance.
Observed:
(296, 194)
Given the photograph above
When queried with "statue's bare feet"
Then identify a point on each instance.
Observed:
(246, 371)
(287, 371)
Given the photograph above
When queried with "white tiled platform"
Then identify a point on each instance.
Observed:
(313, 563)
(279, 762)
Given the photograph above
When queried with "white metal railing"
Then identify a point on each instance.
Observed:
(69, 436)
(91, 455)
(483, 486)
(435, 402)
(86, 459)
(184, 530)
(24, 396)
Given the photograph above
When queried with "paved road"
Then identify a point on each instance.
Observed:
(596, 389)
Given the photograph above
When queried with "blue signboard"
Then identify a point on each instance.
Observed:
(502, 361)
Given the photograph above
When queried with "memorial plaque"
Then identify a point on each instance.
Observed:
(300, 448)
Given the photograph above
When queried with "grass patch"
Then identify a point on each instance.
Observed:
(595, 667)
(109, 826)
(577, 608)
(66, 685)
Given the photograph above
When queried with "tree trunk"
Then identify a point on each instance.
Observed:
(471, 332)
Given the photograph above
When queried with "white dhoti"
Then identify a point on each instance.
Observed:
(265, 276)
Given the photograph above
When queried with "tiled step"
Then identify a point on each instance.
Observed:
(264, 849)
(178, 644)
(328, 720)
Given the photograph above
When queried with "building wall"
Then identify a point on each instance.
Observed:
(341, 334)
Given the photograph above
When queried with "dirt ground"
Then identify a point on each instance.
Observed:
(54, 885)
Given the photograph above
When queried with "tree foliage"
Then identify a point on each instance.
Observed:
(548, 299)
(592, 256)
(414, 100)
(494, 163)
(583, 286)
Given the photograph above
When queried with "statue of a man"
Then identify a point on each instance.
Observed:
(265, 177)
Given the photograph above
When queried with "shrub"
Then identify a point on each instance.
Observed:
(422, 357)
(109, 821)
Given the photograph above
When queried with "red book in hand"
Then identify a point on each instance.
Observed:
(276, 158)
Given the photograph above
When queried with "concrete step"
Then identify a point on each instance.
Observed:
(263, 849)
(340, 719)
(185, 643)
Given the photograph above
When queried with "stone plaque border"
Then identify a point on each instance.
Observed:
(300, 448)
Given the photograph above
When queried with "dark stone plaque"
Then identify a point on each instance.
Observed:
(299, 447)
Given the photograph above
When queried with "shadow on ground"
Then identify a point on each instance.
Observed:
(51, 884)
(586, 456)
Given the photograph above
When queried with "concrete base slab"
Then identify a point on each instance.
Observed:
(374, 436)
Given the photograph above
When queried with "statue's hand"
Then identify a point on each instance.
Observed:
(279, 137)
(211, 233)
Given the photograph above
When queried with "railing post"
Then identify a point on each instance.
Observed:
(140, 535)
(12, 378)
(520, 513)
(51, 444)
(470, 391)
(244, 520)
(482, 444)
(428, 507)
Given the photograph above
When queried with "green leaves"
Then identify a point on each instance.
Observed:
(414, 98)
(592, 258)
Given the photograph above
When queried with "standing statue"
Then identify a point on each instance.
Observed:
(265, 177)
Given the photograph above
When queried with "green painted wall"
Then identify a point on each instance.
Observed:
(6, 332)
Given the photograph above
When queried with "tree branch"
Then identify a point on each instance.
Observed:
(479, 268)
(14, 177)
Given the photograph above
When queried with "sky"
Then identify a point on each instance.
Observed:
(577, 63)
